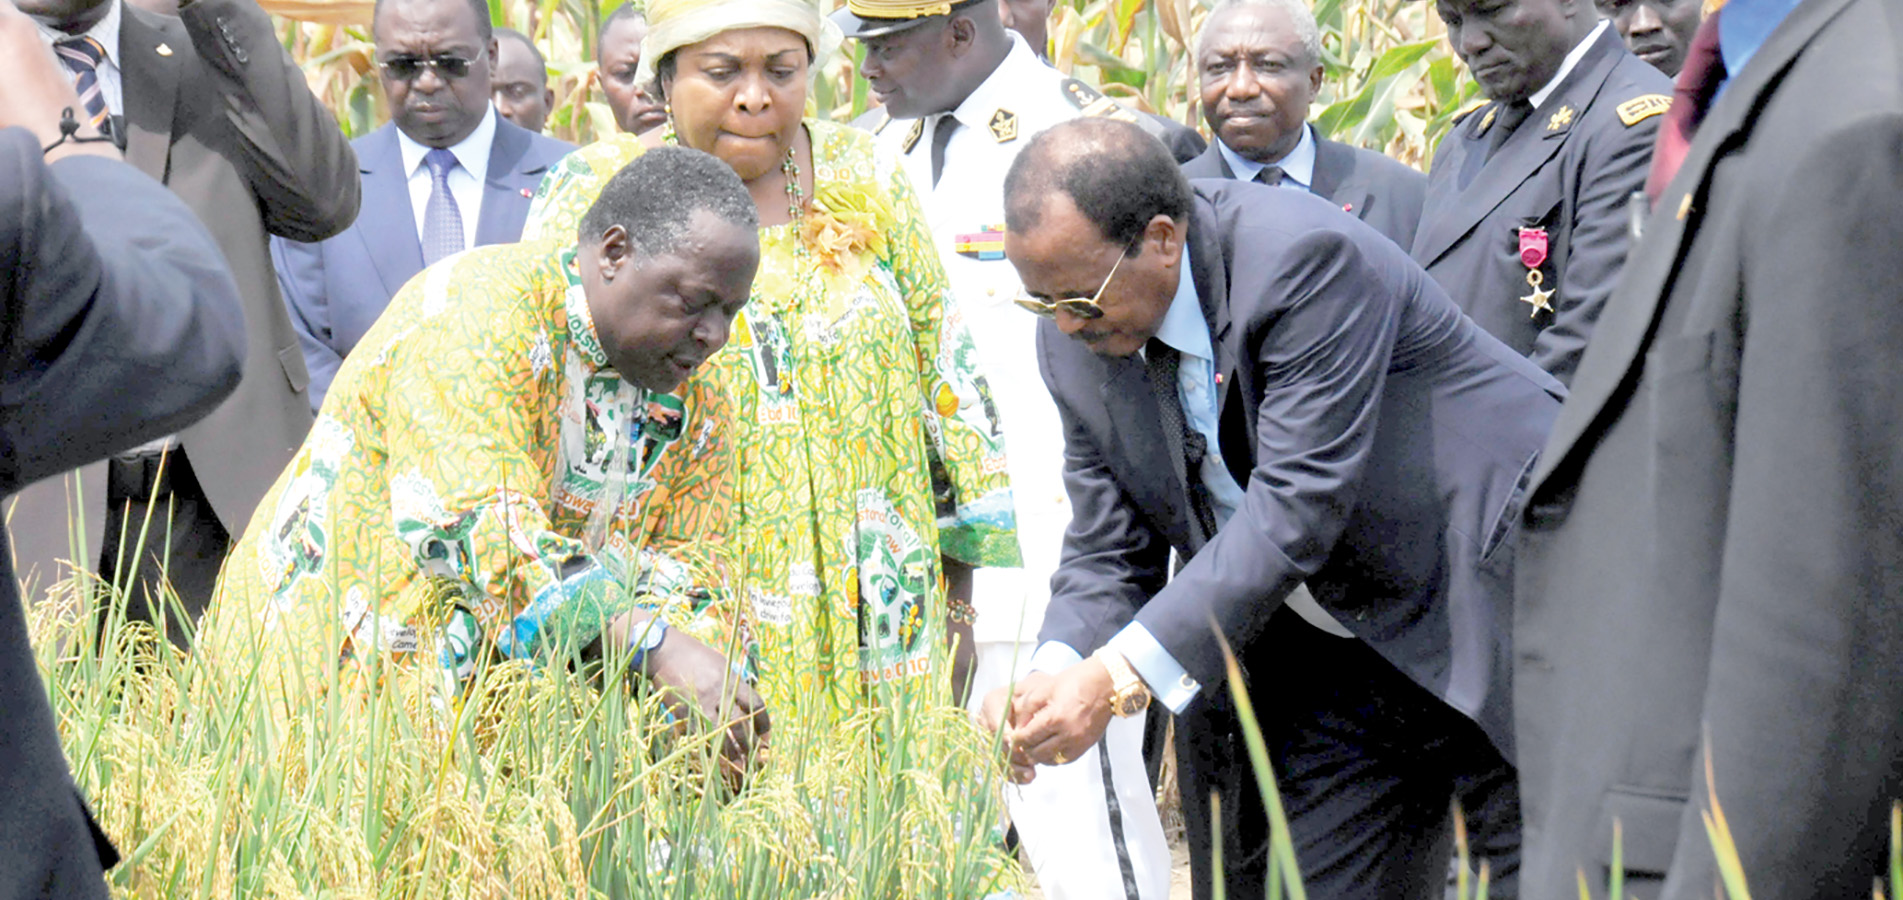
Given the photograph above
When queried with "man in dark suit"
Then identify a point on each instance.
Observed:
(1528, 218)
(1260, 65)
(121, 324)
(210, 103)
(1381, 438)
(1713, 556)
(445, 174)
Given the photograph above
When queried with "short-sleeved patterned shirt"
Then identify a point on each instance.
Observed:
(480, 478)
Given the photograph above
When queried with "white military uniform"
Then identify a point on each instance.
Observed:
(1085, 841)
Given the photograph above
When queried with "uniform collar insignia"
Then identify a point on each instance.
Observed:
(1560, 119)
(1004, 126)
(912, 135)
(1486, 121)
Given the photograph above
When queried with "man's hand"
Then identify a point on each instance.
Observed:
(1005, 707)
(35, 89)
(697, 681)
(1058, 719)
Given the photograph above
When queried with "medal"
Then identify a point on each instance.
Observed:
(986, 244)
(1533, 244)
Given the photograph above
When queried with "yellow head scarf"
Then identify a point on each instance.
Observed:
(673, 24)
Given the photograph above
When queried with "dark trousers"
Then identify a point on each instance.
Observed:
(161, 531)
(1368, 764)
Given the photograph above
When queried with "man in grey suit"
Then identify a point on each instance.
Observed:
(211, 104)
(121, 324)
(1260, 65)
(1713, 551)
(445, 174)
(1326, 415)
(1528, 212)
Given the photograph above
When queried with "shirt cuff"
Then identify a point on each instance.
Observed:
(1165, 676)
(1052, 657)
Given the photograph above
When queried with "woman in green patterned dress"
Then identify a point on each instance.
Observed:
(870, 456)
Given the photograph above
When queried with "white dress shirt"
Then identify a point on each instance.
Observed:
(106, 32)
(465, 181)
(1298, 167)
(1566, 65)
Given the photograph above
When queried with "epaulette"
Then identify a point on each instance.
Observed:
(1092, 102)
(1470, 109)
(1643, 107)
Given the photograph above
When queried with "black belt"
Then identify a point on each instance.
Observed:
(142, 475)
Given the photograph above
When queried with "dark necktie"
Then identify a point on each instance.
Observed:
(1270, 175)
(83, 55)
(1692, 94)
(442, 221)
(941, 135)
(1508, 121)
(1164, 363)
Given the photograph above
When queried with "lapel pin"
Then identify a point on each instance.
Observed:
(528, 193)
(1218, 378)
(1347, 207)
(1684, 206)
(164, 49)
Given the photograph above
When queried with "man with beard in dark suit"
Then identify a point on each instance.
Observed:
(1713, 560)
(1528, 211)
(121, 323)
(211, 104)
(1202, 341)
(1260, 65)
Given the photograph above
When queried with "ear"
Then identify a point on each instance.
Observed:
(616, 252)
(494, 53)
(548, 98)
(1164, 235)
(1315, 81)
(961, 35)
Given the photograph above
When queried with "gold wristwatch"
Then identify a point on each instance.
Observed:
(1128, 694)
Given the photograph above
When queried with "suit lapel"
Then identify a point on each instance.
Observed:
(1130, 402)
(504, 205)
(387, 223)
(1626, 326)
(1209, 165)
(1334, 163)
(1538, 139)
(150, 83)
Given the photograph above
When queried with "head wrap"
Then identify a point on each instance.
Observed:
(673, 24)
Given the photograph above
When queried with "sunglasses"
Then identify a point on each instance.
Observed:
(1077, 306)
(406, 68)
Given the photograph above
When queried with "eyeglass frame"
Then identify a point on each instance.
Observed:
(444, 66)
(1076, 306)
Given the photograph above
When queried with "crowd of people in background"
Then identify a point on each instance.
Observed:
(1556, 488)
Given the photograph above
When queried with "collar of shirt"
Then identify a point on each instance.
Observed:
(993, 92)
(472, 152)
(1744, 26)
(1573, 57)
(1183, 325)
(1298, 166)
(581, 321)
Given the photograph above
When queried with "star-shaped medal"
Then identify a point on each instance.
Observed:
(1541, 300)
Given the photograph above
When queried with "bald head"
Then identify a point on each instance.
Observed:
(1115, 173)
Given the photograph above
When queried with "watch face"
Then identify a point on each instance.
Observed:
(1129, 706)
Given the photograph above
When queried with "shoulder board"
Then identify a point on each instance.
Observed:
(1470, 109)
(1092, 102)
(1643, 107)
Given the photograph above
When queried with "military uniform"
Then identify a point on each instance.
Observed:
(1528, 236)
(1090, 828)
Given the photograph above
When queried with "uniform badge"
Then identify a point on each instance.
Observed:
(911, 137)
(163, 49)
(1004, 126)
(1533, 246)
(1638, 109)
(986, 244)
(1560, 119)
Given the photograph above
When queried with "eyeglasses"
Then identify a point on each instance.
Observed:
(1076, 306)
(406, 68)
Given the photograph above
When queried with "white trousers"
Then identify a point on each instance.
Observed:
(1089, 827)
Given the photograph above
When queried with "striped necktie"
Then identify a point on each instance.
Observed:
(83, 55)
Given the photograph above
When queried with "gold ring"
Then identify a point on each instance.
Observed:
(1058, 757)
